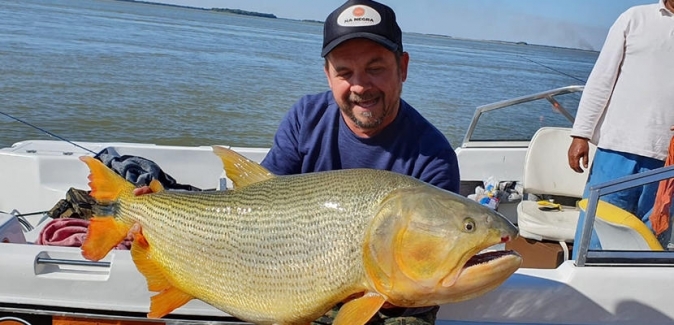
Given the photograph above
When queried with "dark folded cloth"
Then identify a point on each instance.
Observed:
(139, 170)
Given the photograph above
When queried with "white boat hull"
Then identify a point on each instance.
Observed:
(632, 288)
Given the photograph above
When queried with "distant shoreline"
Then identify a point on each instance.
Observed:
(227, 10)
(272, 16)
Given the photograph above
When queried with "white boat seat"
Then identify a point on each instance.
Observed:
(618, 229)
(547, 172)
(557, 225)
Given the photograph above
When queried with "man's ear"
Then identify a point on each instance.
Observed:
(404, 62)
(326, 69)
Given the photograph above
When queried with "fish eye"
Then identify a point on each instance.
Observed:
(468, 225)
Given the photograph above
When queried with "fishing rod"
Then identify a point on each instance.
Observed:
(47, 132)
(553, 69)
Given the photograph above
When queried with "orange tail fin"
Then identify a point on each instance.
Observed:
(106, 185)
(103, 235)
(104, 232)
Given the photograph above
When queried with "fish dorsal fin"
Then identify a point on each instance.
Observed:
(241, 170)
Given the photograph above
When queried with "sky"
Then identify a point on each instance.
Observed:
(579, 24)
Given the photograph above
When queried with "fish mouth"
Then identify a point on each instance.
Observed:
(483, 270)
(482, 273)
(488, 257)
(485, 263)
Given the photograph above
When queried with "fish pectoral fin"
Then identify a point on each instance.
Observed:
(103, 234)
(241, 170)
(167, 301)
(141, 253)
(360, 310)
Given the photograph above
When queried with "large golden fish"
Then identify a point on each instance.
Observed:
(286, 249)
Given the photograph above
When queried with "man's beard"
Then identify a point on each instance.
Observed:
(370, 123)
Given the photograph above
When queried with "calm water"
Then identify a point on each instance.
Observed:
(97, 70)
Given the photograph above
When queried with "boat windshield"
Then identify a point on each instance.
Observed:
(519, 118)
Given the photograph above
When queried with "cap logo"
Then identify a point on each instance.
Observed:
(359, 15)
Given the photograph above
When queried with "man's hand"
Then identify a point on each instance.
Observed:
(135, 229)
(579, 150)
(142, 190)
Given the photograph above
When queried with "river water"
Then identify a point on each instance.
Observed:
(104, 70)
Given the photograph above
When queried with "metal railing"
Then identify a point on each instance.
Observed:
(593, 257)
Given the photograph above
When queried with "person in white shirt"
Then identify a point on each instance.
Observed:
(627, 109)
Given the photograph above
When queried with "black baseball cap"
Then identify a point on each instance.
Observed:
(362, 19)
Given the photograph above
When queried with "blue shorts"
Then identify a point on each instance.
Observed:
(608, 165)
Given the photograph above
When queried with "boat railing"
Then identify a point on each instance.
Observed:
(549, 95)
(587, 257)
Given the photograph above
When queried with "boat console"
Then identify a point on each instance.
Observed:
(11, 230)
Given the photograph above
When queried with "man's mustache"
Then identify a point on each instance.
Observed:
(356, 98)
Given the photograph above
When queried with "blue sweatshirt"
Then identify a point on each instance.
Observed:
(313, 137)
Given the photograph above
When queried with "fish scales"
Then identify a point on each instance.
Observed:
(298, 235)
(285, 249)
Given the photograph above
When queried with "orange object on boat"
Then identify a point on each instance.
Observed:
(663, 198)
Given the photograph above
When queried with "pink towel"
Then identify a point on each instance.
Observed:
(69, 232)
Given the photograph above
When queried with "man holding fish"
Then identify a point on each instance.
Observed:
(366, 218)
(362, 122)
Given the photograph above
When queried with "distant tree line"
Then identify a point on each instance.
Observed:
(244, 12)
(233, 11)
